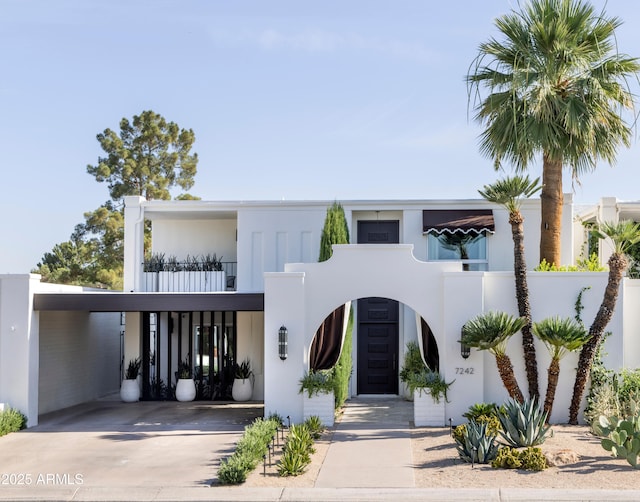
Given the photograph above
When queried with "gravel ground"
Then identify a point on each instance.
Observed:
(437, 465)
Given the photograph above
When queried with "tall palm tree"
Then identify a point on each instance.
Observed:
(508, 193)
(556, 87)
(491, 331)
(623, 235)
(560, 336)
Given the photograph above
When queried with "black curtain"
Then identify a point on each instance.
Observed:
(430, 347)
(325, 348)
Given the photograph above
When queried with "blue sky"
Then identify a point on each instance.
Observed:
(358, 99)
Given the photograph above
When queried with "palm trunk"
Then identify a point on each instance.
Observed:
(617, 265)
(551, 208)
(505, 369)
(524, 307)
(552, 384)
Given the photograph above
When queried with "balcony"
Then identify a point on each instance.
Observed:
(195, 274)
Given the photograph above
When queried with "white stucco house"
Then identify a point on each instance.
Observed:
(405, 275)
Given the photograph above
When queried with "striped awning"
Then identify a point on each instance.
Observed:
(438, 221)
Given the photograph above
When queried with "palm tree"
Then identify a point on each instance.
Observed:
(623, 235)
(561, 336)
(556, 88)
(491, 331)
(509, 193)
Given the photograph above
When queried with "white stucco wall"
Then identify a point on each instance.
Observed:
(19, 344)
(79, 358)
(269, 238)
(50, 360)
(195, 238)
(250, 343)
(446, 298)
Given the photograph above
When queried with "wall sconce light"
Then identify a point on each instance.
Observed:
(465, 350)
(283, 336)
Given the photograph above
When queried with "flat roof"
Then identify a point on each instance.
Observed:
(149, 302)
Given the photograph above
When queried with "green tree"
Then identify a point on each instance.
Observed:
(335, 231)
(69, 262)
(148, 158)
(491, 331)
(560, 336)
(556, 87)
(623, 235)
(509, 193)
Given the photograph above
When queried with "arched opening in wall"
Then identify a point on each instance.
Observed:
(370, 335)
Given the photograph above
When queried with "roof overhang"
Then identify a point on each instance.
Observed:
(475, 221)
(149, 302)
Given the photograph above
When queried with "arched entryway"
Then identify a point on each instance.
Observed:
(301, 298)
(378, 341)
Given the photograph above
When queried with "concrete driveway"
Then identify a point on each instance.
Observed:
(108, 443)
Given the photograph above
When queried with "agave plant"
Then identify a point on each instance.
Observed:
(475, 444)
(523, 424)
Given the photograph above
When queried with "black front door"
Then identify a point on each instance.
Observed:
(378, 323)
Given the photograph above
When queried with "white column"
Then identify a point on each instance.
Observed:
(19, 344)
(133, 242)
(284, 305)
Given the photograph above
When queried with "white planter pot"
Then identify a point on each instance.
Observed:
(185, 389)
(321, 404)
(242, 389)
(427, 412)
(130, 391)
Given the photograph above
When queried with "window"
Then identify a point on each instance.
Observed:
(471, 249)
(458, 234)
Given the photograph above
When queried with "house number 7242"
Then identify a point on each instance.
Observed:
(464, 371)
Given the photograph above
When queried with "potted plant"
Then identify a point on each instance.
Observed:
(185, 387)
(242, 388)
(317, 389)
(429, 391)
(130, 389)
(413, 365)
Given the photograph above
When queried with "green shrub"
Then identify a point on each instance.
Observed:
(479, 409)
(533, 459)
(291, 464)
(413, 363)
(315, 382)
(250, 449)
(492, 421)
(430, 381)
(297, 450)
(582, 265)
(507, 458)
(459, 432)
(232, 471)
(530, 459)
(341, 372)
(314, 424)
(11, 420)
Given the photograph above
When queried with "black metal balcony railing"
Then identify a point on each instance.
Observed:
(190, 277)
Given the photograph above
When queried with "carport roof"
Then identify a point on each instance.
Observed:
(148, 302)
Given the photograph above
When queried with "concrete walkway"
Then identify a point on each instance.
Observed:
(371, 447)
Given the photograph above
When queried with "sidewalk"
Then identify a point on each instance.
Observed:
(371, 447)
